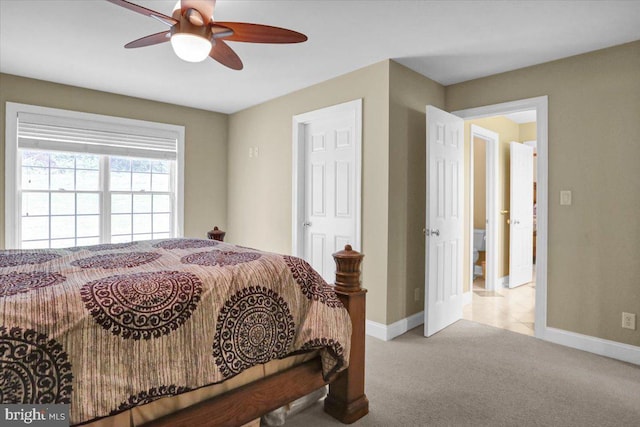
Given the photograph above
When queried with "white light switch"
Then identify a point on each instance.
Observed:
(565, 198)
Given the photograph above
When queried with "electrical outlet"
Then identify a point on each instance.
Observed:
(629, 321)
(256, 152)
(250, 152)
(416, 294)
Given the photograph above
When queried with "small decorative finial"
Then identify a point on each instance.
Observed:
(216, 234)
(348, 269)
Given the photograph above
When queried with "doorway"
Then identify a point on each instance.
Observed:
(483, 202)
(540, 106)
(327, 147)
(507, 302)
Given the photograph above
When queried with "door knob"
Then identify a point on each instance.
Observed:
(306, 224)
(434, 232)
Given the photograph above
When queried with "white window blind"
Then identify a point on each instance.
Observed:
(44, 132)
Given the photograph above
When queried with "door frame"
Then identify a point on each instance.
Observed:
(299, 121)
(541, 105)
(492, 208)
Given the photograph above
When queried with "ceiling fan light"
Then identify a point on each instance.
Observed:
(190, 48)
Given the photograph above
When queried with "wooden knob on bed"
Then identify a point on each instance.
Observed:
(216, 234)
(348, 264)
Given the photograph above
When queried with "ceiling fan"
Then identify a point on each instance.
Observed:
(194, 34)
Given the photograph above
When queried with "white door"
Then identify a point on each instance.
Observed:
(521, 222)
(444, 220)
(330, 205)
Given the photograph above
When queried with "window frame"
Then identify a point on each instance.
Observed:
(12, 197)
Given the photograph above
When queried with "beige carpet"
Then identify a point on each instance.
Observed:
(476, 375)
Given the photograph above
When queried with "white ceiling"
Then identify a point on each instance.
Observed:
(522, 116)
(81, 43)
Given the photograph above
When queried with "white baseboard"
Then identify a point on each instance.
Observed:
(389, 332)
(503, 281)
(615, 350)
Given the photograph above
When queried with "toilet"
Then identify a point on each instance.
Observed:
(479, 239)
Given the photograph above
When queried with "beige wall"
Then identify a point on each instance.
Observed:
(527, 131)
(594, 151)
(409, 94)
(260, 189)
(394, 100)
(205, 141)
(479, 183)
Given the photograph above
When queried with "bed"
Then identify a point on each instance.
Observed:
(179, 332)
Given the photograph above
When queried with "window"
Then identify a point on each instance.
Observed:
(80, 179)
(60, 199)
(140, 199)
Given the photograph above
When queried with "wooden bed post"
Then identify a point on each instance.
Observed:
(347, 401)
(216, 234)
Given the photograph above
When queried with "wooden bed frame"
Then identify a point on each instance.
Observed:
(346, 400)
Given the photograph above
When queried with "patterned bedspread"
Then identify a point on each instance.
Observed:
(107, 327)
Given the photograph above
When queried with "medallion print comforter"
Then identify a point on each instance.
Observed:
(107, 327)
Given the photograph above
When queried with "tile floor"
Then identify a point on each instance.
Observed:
(512, 309)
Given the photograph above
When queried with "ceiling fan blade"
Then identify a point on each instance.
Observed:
(257, 33)
(143, 10)
(218, 31)
(157, 38)
(222, 53)
(204, 7)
